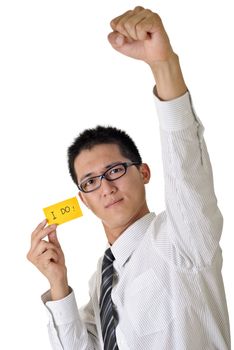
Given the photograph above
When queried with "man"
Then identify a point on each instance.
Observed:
(159, 284)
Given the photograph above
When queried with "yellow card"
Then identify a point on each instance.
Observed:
(63, 211)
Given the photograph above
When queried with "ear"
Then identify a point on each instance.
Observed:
(83, 199)
(145, 172)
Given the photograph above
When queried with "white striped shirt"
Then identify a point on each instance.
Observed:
(168, 289)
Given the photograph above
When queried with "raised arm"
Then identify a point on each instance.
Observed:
(194, 222)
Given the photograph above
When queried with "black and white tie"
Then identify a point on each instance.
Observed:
(106, 304)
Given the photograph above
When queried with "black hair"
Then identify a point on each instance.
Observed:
(102, 135)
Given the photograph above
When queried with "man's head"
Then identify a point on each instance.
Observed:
(118, 200)
(102, 135)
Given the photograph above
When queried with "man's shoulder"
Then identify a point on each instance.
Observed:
(158, 223)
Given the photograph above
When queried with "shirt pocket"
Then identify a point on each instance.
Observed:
(148, 304)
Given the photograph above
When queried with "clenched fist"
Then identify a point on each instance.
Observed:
(140, 34)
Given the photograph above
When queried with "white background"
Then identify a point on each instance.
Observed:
(58, 76)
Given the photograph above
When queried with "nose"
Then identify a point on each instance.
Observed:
(108, 187)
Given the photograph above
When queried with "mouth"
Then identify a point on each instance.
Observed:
(113, 203)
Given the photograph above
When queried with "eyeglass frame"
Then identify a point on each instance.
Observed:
(103, 175)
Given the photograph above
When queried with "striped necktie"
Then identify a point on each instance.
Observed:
(106, 304)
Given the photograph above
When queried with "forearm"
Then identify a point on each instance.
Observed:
(168, 78)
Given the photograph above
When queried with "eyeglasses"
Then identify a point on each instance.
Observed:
(115, 172)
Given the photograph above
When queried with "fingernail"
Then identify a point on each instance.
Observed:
(119, 40)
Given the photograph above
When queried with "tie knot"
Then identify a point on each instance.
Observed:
(109, 257)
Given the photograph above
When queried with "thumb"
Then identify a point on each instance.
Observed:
(116, 39)
(53, 238)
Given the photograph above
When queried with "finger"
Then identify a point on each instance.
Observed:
(148, 25)
(39, 227)
(114, 21)
(142, 29)
(131, 25)
(42, 247)
(42, 233)
(117, 40)
(118, 23)
(53, 238)
(35, 240)
(136, 10)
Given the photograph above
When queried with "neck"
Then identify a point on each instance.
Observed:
(113, 233)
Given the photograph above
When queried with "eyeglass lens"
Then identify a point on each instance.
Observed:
(111, 174)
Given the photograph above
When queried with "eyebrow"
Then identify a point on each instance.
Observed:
(106, 167)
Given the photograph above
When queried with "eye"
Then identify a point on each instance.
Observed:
(117, 170)
(90, 183)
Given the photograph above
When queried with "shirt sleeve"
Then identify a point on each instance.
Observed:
(67, 329)
(194, 221)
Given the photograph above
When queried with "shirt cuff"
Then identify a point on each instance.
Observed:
(176, 114)
(64, 310)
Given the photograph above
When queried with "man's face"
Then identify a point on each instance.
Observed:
(117, 203)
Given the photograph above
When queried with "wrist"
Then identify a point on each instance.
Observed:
(59, 289)
(169, 78)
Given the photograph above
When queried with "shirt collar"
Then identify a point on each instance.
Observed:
(125, 245)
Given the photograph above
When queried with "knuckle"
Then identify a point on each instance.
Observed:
(138, 8)
(156, 17)
(129, 12)
(42, 246)
(119, 27)
(112, 24)
(148, 11)
(28, 256)
(33, 235)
